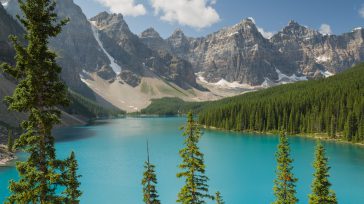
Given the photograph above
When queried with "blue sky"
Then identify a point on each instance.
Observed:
(201, 17)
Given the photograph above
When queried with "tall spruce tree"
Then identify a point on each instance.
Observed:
(321, 193)
(195, 190)
(218, 198)
(39, 92)
(149, 182)
(10, 141)
(285, 182)
(72, 184)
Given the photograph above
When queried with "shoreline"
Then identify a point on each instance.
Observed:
(315, 136)
(5, 156)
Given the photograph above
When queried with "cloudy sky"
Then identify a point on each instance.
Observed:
(200, 17)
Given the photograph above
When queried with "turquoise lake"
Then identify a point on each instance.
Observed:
(241, 166)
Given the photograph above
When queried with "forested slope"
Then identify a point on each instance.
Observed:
(172, 106)
(333, 105)
(81, 105)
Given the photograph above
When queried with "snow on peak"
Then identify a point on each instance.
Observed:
(5, 4)
(323, 58)
(252, 19)
(115, 67)
(357, 28)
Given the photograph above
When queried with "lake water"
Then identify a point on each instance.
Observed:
(241, 166)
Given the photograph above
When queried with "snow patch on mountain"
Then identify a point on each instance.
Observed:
(323, 58)
(226, 84)
(5, 3)
(115, 67)
(327, 74)
(357, 28)
(233, 34)
(284, 78)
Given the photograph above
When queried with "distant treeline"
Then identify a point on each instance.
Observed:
(333, 105)
(83, 106)
(172, 106)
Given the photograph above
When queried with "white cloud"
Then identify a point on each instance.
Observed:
(325, 29)
(125, 7)
(265, 34)
(213, 2)
(194, 13)
(361, 11)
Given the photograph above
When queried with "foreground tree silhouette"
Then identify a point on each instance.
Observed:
(39, 92)
(195, 189)
(149, 182)
(218, 198)
(71, 181)
(321, 193)
(285, 183)
(10, 141)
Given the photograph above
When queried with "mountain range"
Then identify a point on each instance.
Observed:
(104, 61)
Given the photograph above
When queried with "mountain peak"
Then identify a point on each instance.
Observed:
(295, 29)
(107, 16)
(178, 32)
(293, 23)
(150, 33)
(112, 21)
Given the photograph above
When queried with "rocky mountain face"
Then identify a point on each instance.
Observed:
(314, 53)
(241, 54)
(8, 27)
(76, 46)
(134, 57)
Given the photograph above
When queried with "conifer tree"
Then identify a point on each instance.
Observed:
(10, 141)
(285, 183)
(39, 93)
(195, 190)
(72, 184)
(218, 198)
(350, 126)
(321, 193)
(149, 182)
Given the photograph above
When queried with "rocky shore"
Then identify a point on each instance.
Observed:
(5, 155)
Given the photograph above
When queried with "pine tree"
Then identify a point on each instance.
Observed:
(149, 182)
(285, 183)
(321, 193)
(350, 127)
(71, 181)
(195, 190)
(218, 198)
(39, 93)
(10, 141)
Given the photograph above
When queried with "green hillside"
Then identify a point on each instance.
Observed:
(172, 106)
(333, 105)
(81, 105)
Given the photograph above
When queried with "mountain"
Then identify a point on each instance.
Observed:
(103, 60)
(239, 56)
(76, 46)
(134, 56)
(314, 53)
(153, 40)
(8, 27)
